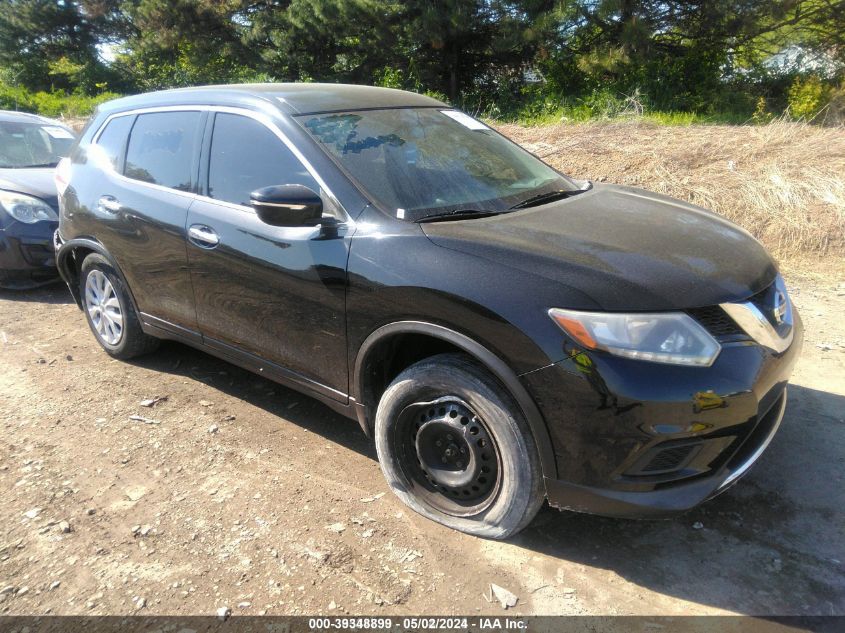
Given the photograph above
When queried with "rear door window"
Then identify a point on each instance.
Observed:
(162, 148)
(112, 140)
(245, 155)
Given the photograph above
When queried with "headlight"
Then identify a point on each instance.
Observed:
(25, 208)
(663, 337)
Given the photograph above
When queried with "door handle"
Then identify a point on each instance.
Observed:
(203, 236)
(108, 204)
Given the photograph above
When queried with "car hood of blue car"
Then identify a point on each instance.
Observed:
(36, 182)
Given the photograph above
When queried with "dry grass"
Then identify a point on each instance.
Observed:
(784, 182)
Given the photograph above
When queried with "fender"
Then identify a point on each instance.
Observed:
(65, 263)
(493, 363)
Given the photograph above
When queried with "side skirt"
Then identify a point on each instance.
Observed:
(337, 401)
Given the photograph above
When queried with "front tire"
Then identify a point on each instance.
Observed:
(455, 448)
(110, 312)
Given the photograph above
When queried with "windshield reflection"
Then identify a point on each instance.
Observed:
(423, 162)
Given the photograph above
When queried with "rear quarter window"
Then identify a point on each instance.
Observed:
(112, 140)
(162, 148)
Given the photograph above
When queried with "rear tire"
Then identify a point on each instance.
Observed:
(109, 310)
(455, 448)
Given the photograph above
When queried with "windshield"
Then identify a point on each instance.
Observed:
(423, 162)
(27, 144)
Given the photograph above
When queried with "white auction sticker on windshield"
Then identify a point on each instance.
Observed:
(57, 132)
(465, 120)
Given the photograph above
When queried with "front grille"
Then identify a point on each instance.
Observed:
(760, 299)
(716, 321)
(719, 323)
(765, 301)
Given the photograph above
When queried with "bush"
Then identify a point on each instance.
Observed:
(51, 104)
(807, 97)
(608, 104)
(762, 115)
(440, 96)
(388, 77)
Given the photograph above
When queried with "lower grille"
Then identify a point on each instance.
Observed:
(38, 254)
(665, 458)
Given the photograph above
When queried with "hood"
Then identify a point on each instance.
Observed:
(34, 182)
(626, 248)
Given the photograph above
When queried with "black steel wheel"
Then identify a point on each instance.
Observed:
(447, 450)
(454, 447)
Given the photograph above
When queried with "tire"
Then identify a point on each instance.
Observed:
(110, 312)
(484, 478)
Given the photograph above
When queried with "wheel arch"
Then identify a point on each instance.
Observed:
(367, 387)
(69, 258)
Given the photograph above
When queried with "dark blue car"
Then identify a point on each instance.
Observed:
(30, 148)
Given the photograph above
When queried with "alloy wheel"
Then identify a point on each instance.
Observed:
(103, 307)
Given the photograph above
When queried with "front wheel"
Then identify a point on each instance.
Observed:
(456, 449)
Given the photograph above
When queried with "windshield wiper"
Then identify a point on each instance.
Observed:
(457, 214)
(549, 196)
(38, 165)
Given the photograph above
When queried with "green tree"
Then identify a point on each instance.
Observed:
(38, 38)
(681, 53)
(698, 55)
(323, 40)
(183, 42)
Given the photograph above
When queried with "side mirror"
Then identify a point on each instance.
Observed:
(287, 205)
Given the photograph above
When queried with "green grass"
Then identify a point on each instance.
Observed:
(583, 114)
(693, 118)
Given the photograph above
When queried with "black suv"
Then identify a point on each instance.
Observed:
(505, 333)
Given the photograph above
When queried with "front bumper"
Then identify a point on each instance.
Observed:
(27, 256)
(670, 500)
(642, 440)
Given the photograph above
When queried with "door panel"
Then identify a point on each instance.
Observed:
(278, 293)
(146, 235)
(141, 220)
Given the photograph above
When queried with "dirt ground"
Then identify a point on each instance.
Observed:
(244, 494)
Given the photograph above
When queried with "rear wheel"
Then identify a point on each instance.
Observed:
(456, 449)
(109, 310)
